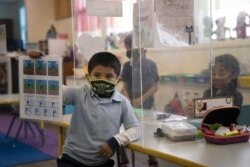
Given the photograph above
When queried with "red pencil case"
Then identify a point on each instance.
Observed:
(224, 116)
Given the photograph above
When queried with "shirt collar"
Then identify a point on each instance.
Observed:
(117, 96)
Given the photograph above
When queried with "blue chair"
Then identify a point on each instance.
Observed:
(68, 109)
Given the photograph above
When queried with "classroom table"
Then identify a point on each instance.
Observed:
(196, 153)
(9, 99)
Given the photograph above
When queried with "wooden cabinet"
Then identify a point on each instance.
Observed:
(68, 67)
(62, 9)
(9, 27)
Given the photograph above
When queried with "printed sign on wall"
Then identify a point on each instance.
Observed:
(175, 19)
(143, 20)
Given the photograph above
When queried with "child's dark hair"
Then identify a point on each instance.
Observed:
(105, 59)
(230, 63)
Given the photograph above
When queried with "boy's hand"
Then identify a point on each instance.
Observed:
(106, 150)
(34, 54)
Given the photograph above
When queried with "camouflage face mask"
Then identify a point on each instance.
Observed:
(103, 88)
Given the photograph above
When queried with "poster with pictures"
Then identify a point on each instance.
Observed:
(40, 90)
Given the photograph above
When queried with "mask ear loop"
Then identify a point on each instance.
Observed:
(117, 81)
(87, 77)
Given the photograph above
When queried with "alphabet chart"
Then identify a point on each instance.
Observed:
(40, 88)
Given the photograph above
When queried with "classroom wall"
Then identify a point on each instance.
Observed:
(194, 59)
(6, 12)
(40, 14)
(64, 26)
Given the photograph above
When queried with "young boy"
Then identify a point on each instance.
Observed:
(93, 135)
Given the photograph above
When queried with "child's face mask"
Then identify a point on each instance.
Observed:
(103, 88)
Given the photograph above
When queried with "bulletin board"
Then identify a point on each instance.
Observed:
(40, 88)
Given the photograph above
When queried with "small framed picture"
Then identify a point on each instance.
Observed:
(202, 105)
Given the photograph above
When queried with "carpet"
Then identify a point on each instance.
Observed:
(25, 149)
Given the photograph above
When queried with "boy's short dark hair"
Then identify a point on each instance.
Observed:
(105, 59)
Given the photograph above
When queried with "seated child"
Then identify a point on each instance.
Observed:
(224, 81)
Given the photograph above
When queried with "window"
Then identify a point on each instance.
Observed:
(23, 25)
